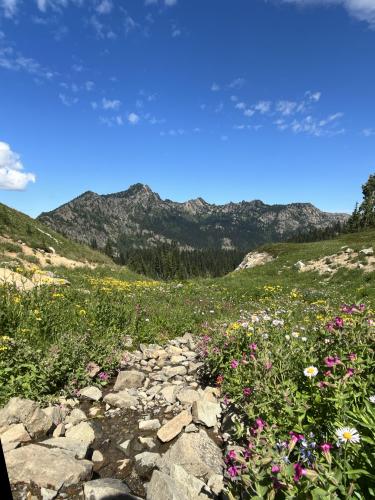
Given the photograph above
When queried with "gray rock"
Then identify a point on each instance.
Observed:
(176, 360)
(122, 399)
(148, 442)
(172, 371)
(164, 487)
(97, 456)
(216, 484)
(194, 484)
(191, 428)
(48, 494)
(145, 463)
(105, 489)
(93, 369)
(75, 417)
(125, 446)
(28, 413)
(55, 413)
(193, 367)
(188, 396)
(149, 425)
(81, 432)
(78, 448)
(174, 426)
(131, 379)
(205, 412)
(196, 453)
(15, 435)
(92, 393)
(169, 393)
(299, 265)
(47, 468)
(59, 431)
(367, 251)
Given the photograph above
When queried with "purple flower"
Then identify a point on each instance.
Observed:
(247, 391)
(253, 347)
(275, 469)
(103, 376)
(325, 447)
(352, 356)
(331, 361)
(339, 322)
(233, 471)
(299, 471)
(234, 363)
(231, 455)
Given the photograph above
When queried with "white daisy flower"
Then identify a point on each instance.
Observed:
(304, 339)
(295, 335)
(348, 435)
(310, 371)
(287, 337)
(372, 399)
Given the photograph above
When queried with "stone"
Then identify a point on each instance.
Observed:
(82, 432)
(55, 413)
(148, 442)
(149, 425)
(367, 251)
(299, 265)
(14, 436)
(27, 412)
(59, 431)
(172, 371)
(173, 351)
(193, 367)
(196, 453)
(131, 379)
(48, 494)
(162, 486)
(76, 447)
(145, 463)
(211, 394)
(122, 399)
(174, 426)
(176, 360)
(93, 369)
(47, 468)
(125, 446)
(92, 393)
(153, 391)
(216, 484)
(76, 417)
(97, 456)
(169, 393)
(17, 280)
(191, 428)
(105, 489)
(188, 396)
(194, 484)
(205, 412)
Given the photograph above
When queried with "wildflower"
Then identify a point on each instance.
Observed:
(259, 425)
(339, 322)
(219, 380)
(299, 471)
(231, 455)
(372, 399)
(304, 339)
(310, 371)
(287, 337)
(233, 471)
(352, 356)
(268, 365)
(247, 391)
(234, 364)
(322, 385)
(331, 361)
(295, 335)
(348, 435)
(275, 469)
(326, 447)
(103, 376)
(253, 347)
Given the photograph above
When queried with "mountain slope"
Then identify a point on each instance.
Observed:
(138, 217)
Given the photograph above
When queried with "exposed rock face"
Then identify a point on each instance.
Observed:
(254, 259)
(140, 217)
(27, 412)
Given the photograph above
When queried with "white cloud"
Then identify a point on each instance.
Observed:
(368, 132)
(12, 176)
(249, 112)
(133, 118)
(112, 120)
(263, 107)
(215, 87)
(237, 83)
(175, 31)
(313, 96)
(363, 10)
(240, 105)
(286, 107)
(15, 61)
(104, 7)
(170, 3)
(219, 108)
(233, 98)
(110, 104)
(9, 7)
(89, 85)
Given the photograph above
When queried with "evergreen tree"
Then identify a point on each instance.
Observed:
(364, 215)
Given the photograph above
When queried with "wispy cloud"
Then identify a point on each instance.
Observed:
(237, 83)
(215, 87)
(15, 61)
(110, 103)
(104, 7)
(9, 7)
(67, 100)
(112, 121)
(133, 118)
(363, 10)
(167, 3)
(368, 132)
(12, 176)
(327, 127)
(263, 107)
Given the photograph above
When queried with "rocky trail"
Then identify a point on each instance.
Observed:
(153, 432)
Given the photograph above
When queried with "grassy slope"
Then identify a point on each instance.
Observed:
(19, 226)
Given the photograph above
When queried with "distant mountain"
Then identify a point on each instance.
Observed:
(138, 217)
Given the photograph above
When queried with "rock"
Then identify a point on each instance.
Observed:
(105, 489)
(145, 463)
(16, 280)
(56, 413)
(131, 379)
(188, 396)
(82, 432)
(14, 436)
(97, 456)
(216, 484)
(48, 494)
(254, 259)
(173, 427)
(59, 431)
(47, 468)
(149, 425)
(92, 393)
(121, 399)
(194, 485)
(367, 251)
(164, 487)
(148, 442)
(193, 367)
(196, 453)
(191, 428)
(169, 393)
(125, 446)
(76, 447)
(28, 413)
(299, 265)
(349, 250)
(211, 394)
(93, 369)
(173, 351)
(176, 360)
(76, 417)
(172, 371)
(205, 412)
(150, 350)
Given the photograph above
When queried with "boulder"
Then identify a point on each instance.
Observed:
(47, 468)
(188, 396)
(367, 251)
(92, 393)
(28, 413)
(82, 432)
(174, 426)
(145, 463)
(164, 487)
(196, 453)
(14, 436)
(131, 379)
(77, 416)
(122, 399)
(205, 412)
(104, 489)
(76, 447)
(149, 425)
(169, 393)
(11, 278)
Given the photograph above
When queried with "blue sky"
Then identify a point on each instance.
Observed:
(225, 99)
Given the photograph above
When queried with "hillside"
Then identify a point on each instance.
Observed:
(138, 217)
(29, 239)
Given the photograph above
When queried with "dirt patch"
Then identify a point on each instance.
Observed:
(347, 258)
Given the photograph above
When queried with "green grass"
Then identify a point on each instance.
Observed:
(19, 226)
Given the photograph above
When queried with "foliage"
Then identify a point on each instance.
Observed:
(364, 215)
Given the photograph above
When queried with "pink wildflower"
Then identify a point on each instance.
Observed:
(331, 361)
(299, 471)
(233, 471)
(339, 322)
(253, 347)
(234, 363)
(247, 391)
(326, 447)
(275, 469)
(103, 376)
(352, 356)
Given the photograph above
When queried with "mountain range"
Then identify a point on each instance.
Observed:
(138, 217)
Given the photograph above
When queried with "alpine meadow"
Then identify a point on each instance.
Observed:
(187, 235)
